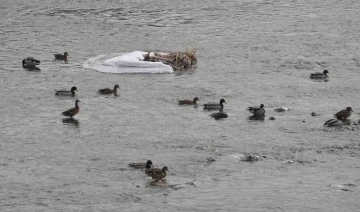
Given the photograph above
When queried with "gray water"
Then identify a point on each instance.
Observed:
(249, 53)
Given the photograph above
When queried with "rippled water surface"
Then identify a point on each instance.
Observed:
(249, 53)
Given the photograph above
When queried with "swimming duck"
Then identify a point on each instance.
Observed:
(189, 102)
(319, 75)
(66, 93)
(108, 90)
(73, 111)
(214, 106)
(257, 111)
(30, 62)
(146, 165)
(157, 174)
(61, 57)
(344, 114)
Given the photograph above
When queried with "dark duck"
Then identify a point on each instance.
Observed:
(63, 57)
(73, 111)
(109, 91)
(189, 102)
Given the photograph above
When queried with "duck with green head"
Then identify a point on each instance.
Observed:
(214, 105)
(257, 111)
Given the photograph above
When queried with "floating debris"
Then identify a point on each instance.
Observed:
(281, 109)
(248, 158)
(315, 114)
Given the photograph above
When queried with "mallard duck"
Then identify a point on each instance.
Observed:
(257, 111)
(66, 93)
(146, 165)
(108, 90)
(344, 114)
(189, 102)
(73, 111)
(157, 174)
(319, 75)
(61, 56)
(30, 62)
(214, 106)
(333, 123)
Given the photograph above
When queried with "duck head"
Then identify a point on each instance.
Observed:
(73, 89)
(66, 54)
(149, 164)
(222, 101)
(262, 106)
(349, 109)
(165, 169)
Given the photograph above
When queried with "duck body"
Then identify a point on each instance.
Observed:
(344, 114)
(65, 92)
(189, 102)
(319, 75)
(61, 56)
(257, 111)
(73, 111)
(157, 174)
(147, 165)
(214, 105)
(108, 90)
(30, 62)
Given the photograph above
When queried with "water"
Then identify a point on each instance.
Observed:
(249, 53)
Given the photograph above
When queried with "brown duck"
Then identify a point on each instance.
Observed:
(108, 90)
(344, 114)
(61, 56)
(73, 111)
(157, 174)
(189, 102)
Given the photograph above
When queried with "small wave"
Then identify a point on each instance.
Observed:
(126, 63)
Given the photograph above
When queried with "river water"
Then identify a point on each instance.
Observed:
(249, 53)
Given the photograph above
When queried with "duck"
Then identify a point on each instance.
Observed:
(257, 111)
(344, 114)
(108, 90)
(189, 102)
(214, 106)
(319, 75)
(146, 165)
(61, 56)
(73, 111)
(157, 174)
(30, 62)
(333, 123)
(66, 93)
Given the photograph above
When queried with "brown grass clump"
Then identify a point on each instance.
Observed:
(177, 60)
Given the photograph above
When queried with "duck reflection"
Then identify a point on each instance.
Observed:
(71, 121)
(33, 68)
(259, 118)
